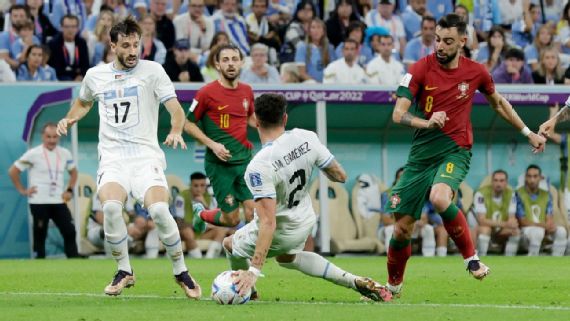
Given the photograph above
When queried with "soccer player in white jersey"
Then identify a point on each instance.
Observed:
(129, 92)
(277, 177)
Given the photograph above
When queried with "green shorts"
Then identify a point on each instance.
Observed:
(412, 190)
(228, 184)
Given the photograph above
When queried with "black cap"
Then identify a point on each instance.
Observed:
(182, 44)
(386, 2)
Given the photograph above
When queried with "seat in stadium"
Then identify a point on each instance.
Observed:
(343, 229)
(176, 185)
(367, 222)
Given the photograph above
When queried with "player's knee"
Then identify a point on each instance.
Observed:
(402, 232)
(440, 200)
(485, 230)
(232, 219)
(536, 234)
(227, 243)
(160, 213)
(560, 233)
(285, 258)
(112, 209)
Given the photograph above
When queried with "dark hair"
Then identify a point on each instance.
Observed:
(453, 21)
(354, 25)
(21, 7)
(126, 27)
(353, 16)
(534, 166)
(269, 110)
(514, 52)
(266, 2)
(565, 15)
(48, 124)
(500, 171)
(349, 40)
(29, 50)
(229, 46)
(197, 175)
(26, 24)
(428, 18)
(47, 51)
(301, 5)
(69, 16)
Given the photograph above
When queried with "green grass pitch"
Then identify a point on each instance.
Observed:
(518, 288)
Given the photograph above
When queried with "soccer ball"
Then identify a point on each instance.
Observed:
(224, 291)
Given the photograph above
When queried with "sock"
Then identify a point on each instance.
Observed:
(398, 254)
(169, 235)
(428, 240)
(214, 250)
(483, 241)
(151, 244)
(559, 244)
(512, 245)
(116, 234)
(441, 251)
(195, 253)
(458, 230)
(212, 216)
(535, 236)
(237, 263)
(315, 265)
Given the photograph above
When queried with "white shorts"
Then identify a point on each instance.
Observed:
(136, 176)
(288, 238)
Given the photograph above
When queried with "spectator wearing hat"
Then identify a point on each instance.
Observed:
(513, 70)
(384, 17)
(179, 67)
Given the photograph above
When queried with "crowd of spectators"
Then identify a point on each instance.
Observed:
(520, 41)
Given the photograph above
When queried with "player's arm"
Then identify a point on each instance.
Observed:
(219, 149)
(176, 122)
(335, 172)
(68, 192)
(14, 173)
(507, 112)
(557, 115)
(401, 115)
(265, 209)
(252, 120)
(484, 221)
(78, 110)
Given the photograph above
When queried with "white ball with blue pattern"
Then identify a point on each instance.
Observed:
(224, 291)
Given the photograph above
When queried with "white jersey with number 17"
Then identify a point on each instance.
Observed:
(282, 170)
(128, 109)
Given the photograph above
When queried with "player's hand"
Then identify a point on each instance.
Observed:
(547, 128)
(63, 124)
(30, 191)
(173, 139)
(66, 196)
(437, 120)
(537, 142)
(550, 227)
(511, 224)
(245, 280)
(221, 152)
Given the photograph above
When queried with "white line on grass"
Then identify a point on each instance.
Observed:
(421, 305)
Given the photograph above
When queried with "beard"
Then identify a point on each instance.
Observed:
(123, 61)
(446, 59)
(231, 77)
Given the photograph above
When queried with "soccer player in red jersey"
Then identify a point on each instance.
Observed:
(225, 109)
(441, 86)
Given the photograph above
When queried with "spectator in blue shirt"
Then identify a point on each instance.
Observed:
(513, 70)
(544, 38)
(18, 14)
(439, 8)
(259, 72)
(356, 32)
(524, 30)
(314, 54)
(492, 52)
(61, 8)
(423, 45)
(412, 18)
(26, 38)
(32, 69)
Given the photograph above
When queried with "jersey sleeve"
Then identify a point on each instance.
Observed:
(86, 92)
(259, 180)
(199, 106)
(479, 204)
(513, 205)
(178, 207)
(69, 162)
(164, 89)
(323, 157)
(520, 207)
(487, 86)
(412, 81)
(25, 161)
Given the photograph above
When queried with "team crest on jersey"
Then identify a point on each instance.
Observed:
(395, 200)
(229, 199)
(255, 179)
(463, 88)
(245, 104)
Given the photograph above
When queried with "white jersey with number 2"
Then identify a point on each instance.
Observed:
(282, 170)
(128, 109)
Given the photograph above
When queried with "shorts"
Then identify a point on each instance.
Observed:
(412, 190)
(136, 176)
(288, 238)
(229, 185)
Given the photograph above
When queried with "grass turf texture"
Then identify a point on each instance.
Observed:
(518, 288)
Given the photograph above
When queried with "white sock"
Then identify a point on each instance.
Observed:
(151, 244)
(116, 234)
(512, 246)
(559, 244)
(483, 241)
(441, 250)
(214, 250)
(169, 235)
(195, 253)
(428, 240)
(315, 265)
(237, 263)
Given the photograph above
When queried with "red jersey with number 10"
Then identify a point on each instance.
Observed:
(433, 88)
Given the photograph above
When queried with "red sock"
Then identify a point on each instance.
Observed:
(458, 230)
(212, 216)
(398, 254)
